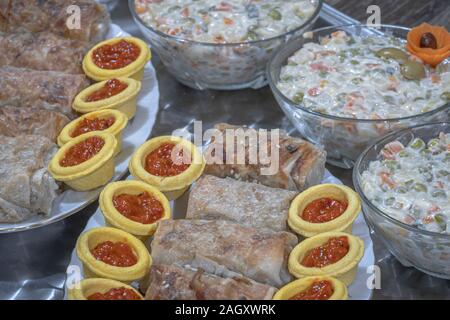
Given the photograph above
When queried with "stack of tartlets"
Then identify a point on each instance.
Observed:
(107, 107)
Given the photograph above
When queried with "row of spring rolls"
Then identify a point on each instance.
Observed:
(234, 242)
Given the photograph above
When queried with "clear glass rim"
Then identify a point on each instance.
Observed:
(291, 103)
(357, 180)
(228, 44)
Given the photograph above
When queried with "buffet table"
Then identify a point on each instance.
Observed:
(33, 269)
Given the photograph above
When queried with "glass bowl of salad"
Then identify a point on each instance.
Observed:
(345, 87)
(221, 44)
(404, 184)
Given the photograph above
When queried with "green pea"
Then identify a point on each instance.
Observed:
(173, 9)
(425, 152)
(403, 154)
(287, 78)
(445, 96)
(419, 187)
(354, 62)
(391, 164)
(252, 36)
(389, 99)
(433, 142)
(323, 74)
(341, 97)
(443, 173)
(298, 97)
(441, 220)
(355, 51)
(389, 201)
(409, 183)
(402, 189)
(447, 157)
(275, 14)
(417, 144)
(439, 194)
(357, 80)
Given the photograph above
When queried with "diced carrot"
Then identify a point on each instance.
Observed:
(386, 179)
(223, 6)
(314, 91)
(140, 9)
(408, 219)
(391, 149)
(435, 78)
(228, 21)
(434, 208)
(185, 12)
(350, 127)
(439, 185)
(427, 219)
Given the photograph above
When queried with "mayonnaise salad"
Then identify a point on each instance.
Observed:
(370, 77)
(225, 21)
(412, 183)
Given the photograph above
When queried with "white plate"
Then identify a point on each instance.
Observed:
(358, 290)
(136, 133)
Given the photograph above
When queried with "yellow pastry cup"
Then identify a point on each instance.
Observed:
(83, 289)
(115, 219)
(120, 122)
(94, 268)
(124, 101)
(134, 70)
(342, 223)
(340, 291)
(344, 270)
(172, 187)
(91, 174)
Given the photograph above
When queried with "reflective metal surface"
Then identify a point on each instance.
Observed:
(33, 263)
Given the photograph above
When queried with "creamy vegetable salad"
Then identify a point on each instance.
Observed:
(225, 21)
(412, 183)
(357, 77)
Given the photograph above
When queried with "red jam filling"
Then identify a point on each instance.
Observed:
(82, 151)
(143, 208)
(163, 162)
(117, 254)
(330, 252)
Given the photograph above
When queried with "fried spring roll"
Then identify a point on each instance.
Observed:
(249, 204)
(225, 248)
(186, 283)
(84, 20)
(49, 90)
(41, 51)
(296, 165)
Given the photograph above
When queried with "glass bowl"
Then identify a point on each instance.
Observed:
(343, 138)
(427, 251)
(228, 66)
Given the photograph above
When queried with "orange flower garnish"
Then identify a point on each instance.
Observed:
(433, 36)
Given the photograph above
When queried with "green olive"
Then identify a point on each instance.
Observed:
(413, 70)
(392, 53)
(417, 143)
